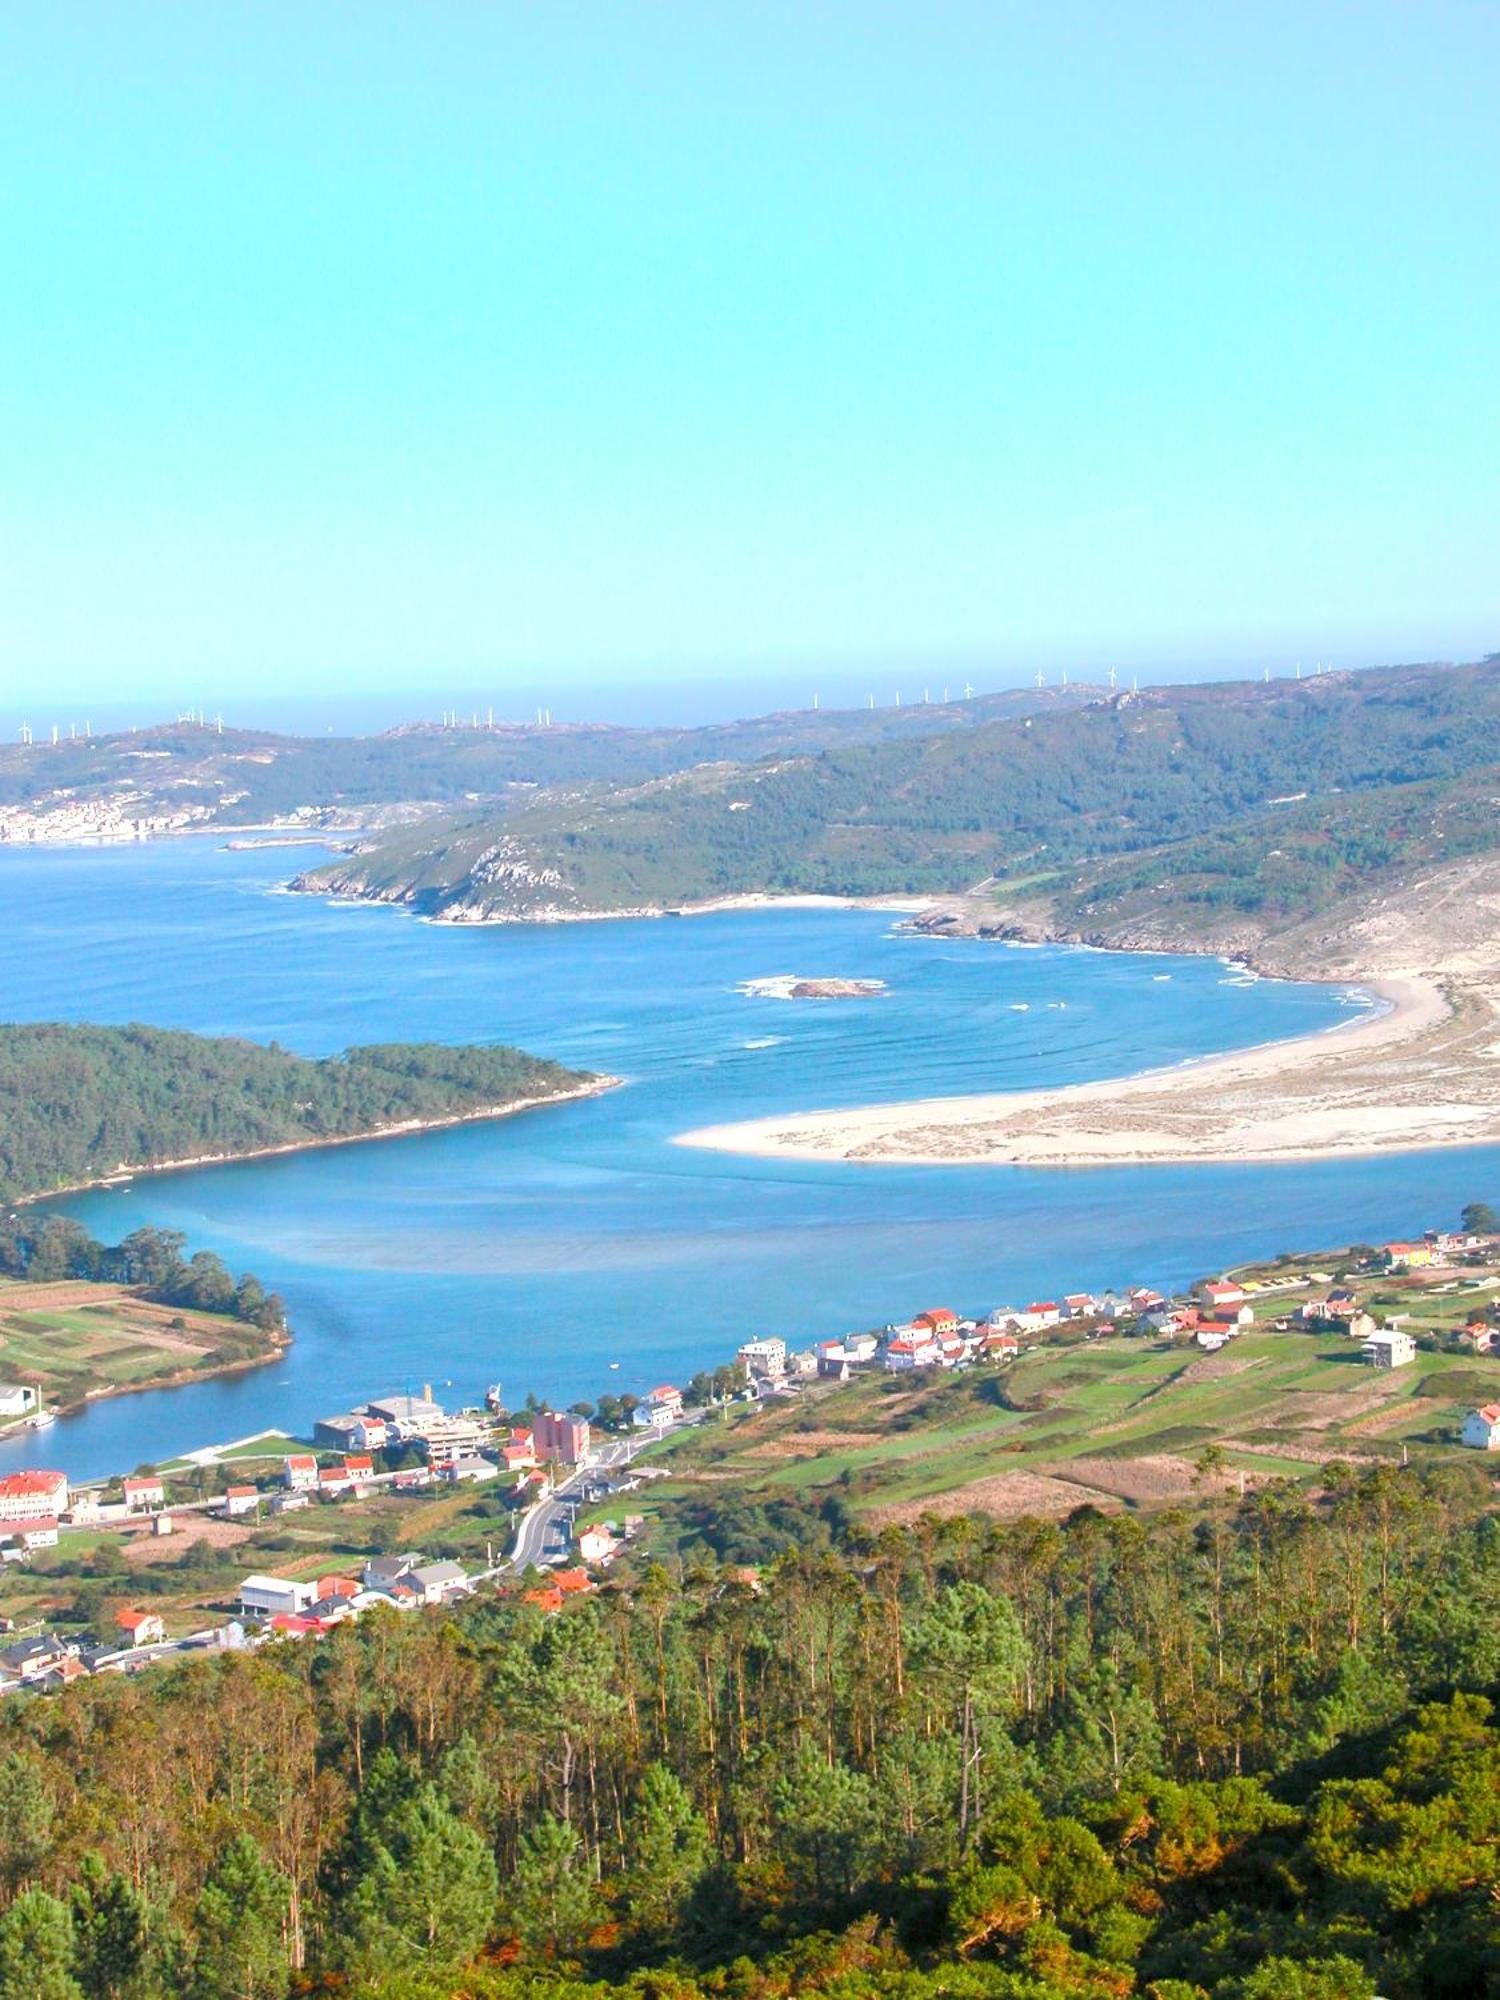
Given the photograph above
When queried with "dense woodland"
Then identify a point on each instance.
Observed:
(78, 1103)
(46, 1248)
(1378, 769)
(1251, 1753)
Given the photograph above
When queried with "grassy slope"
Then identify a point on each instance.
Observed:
(882, 1442)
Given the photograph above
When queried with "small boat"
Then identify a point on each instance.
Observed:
(42, 1421)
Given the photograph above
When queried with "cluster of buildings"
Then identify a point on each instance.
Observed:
(296, 1608)
(60, 817)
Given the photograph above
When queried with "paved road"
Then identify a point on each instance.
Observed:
(539, 1523)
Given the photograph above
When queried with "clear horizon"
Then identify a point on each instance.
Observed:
(585, 351)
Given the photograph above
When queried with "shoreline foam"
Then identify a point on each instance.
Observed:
(1334, 1090)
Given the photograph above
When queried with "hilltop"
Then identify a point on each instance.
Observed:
(173, 776)
(1262, 800)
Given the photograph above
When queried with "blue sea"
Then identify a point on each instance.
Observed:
(576, 1250)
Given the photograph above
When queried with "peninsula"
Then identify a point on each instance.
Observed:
(80, 1105)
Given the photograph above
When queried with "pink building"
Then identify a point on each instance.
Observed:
(564, 1438)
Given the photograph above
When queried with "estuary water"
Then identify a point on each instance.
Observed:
(576, 1250)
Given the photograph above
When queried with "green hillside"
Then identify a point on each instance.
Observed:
(1362, 771)
(242, 777)
(78, 1103)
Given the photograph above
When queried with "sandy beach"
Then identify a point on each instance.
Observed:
(1423, 1070)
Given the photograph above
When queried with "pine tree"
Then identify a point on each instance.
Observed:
(239, 1922)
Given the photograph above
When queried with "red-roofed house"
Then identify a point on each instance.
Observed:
(33, 1495)
(918, 1350)
(572, 1582)
(1081, 1304)
(141, 1628)
(293, 1625)
(1415, 1256)
(665, 1403)
(548, 1598)
(518, 1457)
(300, 1471)
(360, 1468)
(338, 1586)
(1000, 1346)
(1220, 1293)
(938, 1320)
(40, 1533)
(596, 1545)
(241, 1500)
(143, 1492)
(1481, 1429)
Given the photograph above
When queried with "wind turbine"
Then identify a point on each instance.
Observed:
(1041, 678)
(968, 690)
(1113, 676)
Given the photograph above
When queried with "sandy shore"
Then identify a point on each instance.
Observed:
(1422, 1071)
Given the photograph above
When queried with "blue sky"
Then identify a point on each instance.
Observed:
(389, 347)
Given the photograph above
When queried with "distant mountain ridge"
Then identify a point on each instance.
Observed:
(1266, 797)
(240, 777)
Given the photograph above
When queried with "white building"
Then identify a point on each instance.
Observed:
(595, 1545)
(1390, 1349)
(764, 1357)
(33, 1495)
(1481, 1431)
(273, 1596)
(16, 1398)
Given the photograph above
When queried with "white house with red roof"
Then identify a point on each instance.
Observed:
(300, 1472)
(1218, 1294)
(33, 1495)
(937, 1320)
(912, 1350)
(147, 1491)
(1481, 1431)
(141, 1628)
(665, 1403)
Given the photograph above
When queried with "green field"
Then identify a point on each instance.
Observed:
(1114, 1421)
(77, 1339)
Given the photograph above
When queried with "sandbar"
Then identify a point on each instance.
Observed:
(1422, 1070)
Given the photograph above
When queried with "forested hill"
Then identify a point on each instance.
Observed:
(1027, 800)
(78, 1104)
(240, 777)
(1252, 1754)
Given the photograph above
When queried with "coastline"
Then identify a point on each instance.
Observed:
(406, 1128)
(1335, 1091)
(461, 916)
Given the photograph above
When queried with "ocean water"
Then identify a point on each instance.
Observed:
(575, 1250)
